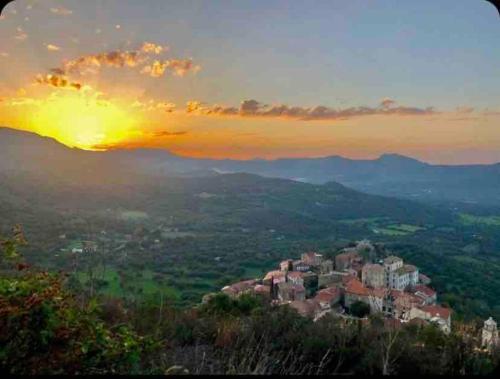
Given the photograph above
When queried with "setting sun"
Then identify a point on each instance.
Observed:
(82, 121)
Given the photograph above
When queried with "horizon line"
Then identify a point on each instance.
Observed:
(117, 149)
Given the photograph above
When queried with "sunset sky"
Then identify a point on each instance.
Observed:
(248, 79)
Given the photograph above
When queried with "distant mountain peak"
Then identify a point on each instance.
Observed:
(394, 157)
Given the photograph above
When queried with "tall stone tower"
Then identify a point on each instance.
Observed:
(490, 333)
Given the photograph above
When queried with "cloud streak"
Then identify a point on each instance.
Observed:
(136, 59)
(58, 81)
(179, 67)
(166, 133)
(153, 105)
(52, 47)
(253, 108)
(92, 63)
(149, 47)
(60, 11)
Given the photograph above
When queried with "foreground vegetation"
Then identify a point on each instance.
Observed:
(47, 329)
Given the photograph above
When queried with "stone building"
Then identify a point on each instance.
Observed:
(284, 291)
(286, 265)
(403, 303)
(334, 277)
(296, 277)
(310, 283)
(345, 260)
(290, 292)
(326, 266)
(373, 275)
(398, 275)
(311, 258)
(489, 337)
(355, 291)
(435, 314)
(300, 266)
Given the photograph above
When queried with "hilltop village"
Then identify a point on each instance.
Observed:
(353, 284)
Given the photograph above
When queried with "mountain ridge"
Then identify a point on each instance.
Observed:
(391, 174)
(385, 156)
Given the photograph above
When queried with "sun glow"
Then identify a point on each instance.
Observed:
(83, 121)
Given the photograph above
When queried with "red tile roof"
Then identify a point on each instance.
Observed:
(347, 278)
(425, 290)
(436, 310)
(355, 287)
(327, 295)
(396, 293)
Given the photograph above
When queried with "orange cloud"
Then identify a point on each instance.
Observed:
(91, 64)
(149, 47)
(51, 47)
(152, 105)
(253, 108)
(179, 67)
(57, 81)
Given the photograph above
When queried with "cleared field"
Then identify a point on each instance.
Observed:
(143, 282)
(468, 219)
(405, 228)
(397, 229)
(389, 232)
